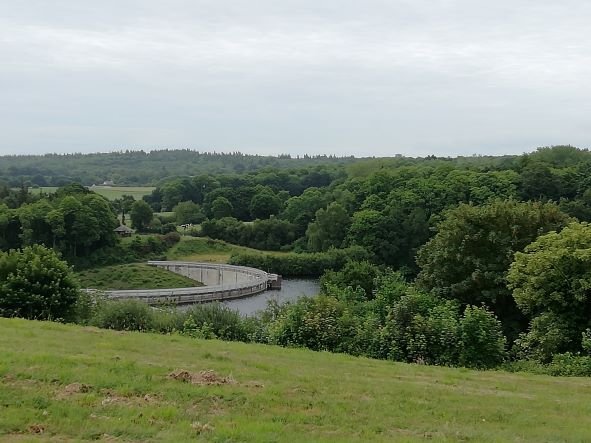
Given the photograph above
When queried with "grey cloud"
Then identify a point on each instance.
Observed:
(365, 78)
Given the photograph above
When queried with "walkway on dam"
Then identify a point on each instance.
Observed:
(222, 282)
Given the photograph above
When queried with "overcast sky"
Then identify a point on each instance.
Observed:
(371, 77)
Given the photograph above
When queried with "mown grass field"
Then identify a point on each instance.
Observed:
(133, 276)
(110, 192)
(208, 250)
(71, 383)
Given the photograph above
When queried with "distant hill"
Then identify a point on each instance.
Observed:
(139, 168)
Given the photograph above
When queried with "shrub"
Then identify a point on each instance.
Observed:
(36, 284)
(321, 323)
(271, 234)
(548, 334)
(301, 265)
(483, 343)
(569, 364)
(168, 228)
(423, 328)
(217, 319)
(355, 275)
(171, 239)
(123, 315)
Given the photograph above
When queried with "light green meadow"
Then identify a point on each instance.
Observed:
(71, 383)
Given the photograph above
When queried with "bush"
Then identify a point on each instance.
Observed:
(422, 328)
(301, 265)
(171, 239)
(123, 315)
(36, 284)
(218, 320)
(321, 323)
(563, 365)
(569, 364)
(548, 335)
(483, 343)
(271, 234)
(168, 228)
(354, 274)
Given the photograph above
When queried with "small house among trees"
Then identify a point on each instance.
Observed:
(124, 231)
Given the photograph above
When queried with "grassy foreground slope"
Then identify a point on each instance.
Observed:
(69, 383)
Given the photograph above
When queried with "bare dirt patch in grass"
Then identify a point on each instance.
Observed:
(36, 429)
(202, 378)
(74, 388)
(112, 398)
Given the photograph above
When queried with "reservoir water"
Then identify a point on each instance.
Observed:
(291, 290)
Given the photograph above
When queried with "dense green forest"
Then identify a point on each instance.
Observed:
(139, 168)
(464, 261)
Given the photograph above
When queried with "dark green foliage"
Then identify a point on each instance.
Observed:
(320, 323)
(551, 283)
(139, 168)
(469, 257)
(548, 334)
(329, 229)
(301, 210)
(354, 274)
(138, 248)
(223, 322)
(482, 340)
(301, 265)
(561, 365)
(400, 324)
(36, 284)
(570, 365)
(124, 315)
(202, 321)
(221, 207)
(423, 329)
(270, 234)
(264, 204)
(188, 212)
(141, 215)
(74, 221)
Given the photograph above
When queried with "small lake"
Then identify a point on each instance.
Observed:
(291, 290)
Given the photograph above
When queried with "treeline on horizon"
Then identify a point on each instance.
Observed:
(140, 168)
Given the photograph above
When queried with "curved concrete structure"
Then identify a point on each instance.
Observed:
(222, 282)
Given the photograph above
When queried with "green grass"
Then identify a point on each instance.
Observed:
(207, 250)
(278, 395)
(110, 192)
(133, 276)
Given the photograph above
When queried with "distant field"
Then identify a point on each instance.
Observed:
(133, 276)
(110, 192)
(70, 383)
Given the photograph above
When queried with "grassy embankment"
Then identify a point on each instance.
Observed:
(133, 276)
(110, 192)
(207, 250)
(143, 276)
(70, 383)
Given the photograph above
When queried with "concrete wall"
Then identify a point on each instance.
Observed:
(223, 282)
(208, 274)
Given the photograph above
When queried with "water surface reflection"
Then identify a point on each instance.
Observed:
(291, 289)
